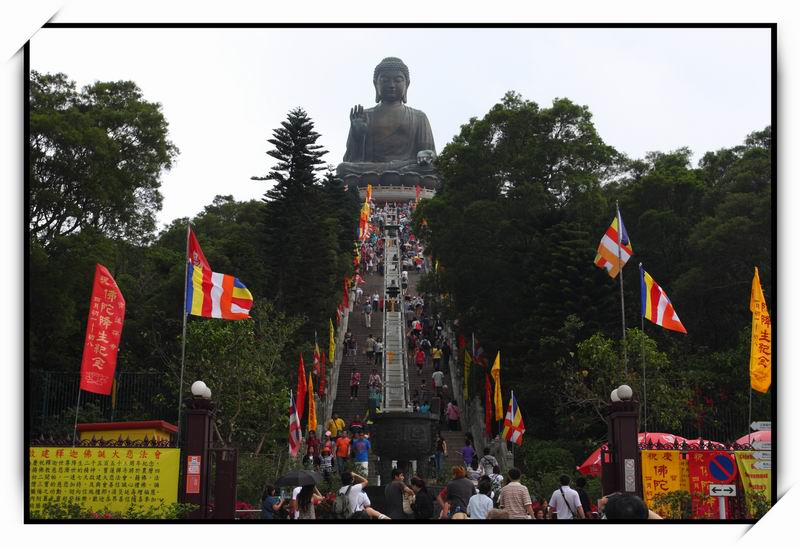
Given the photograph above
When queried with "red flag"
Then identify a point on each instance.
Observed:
(301, 387)
(195, 254)
(461, 342)
(488, 404)
(103, 331)
(346, 292)
(322, 378)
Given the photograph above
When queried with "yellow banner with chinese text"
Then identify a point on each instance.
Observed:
(760, 339)
(661, 473)
(103, 478)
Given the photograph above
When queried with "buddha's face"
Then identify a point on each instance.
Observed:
(391, 86)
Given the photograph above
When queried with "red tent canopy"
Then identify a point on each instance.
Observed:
(592, 465)
(761, 435)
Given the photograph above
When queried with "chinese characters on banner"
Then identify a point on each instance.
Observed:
(103, 331)
(699, 479)
(661, 473)
(99, 478)
(760, 339)
(753, 479)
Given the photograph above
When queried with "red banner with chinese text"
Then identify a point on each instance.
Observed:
(103, 331)
(699, 480)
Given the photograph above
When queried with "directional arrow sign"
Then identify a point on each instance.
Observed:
(716, 490)
(762, 445)
(761, 425)
(762, 465)
(762, 455)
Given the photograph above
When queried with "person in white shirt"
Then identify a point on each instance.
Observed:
(565, 502)
(480, 504)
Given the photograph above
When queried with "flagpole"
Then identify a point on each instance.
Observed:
(183, 337)
(644, 369)
(750, 416)
(621, 292)
(77, 407)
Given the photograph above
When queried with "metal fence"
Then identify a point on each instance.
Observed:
(53, 395)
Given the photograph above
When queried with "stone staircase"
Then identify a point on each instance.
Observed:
(343, 405)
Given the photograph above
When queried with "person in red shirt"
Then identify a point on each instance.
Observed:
(419, 358)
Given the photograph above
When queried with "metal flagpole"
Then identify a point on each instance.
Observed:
(621, 292)
(183, 338)
(77, 406)
(750, 416)
(644, 369)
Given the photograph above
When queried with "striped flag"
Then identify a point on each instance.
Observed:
(316, 356)
(513, 427)
(294, 428)
(322, 376)
(656, 306)
(611, 256)
(214, 295)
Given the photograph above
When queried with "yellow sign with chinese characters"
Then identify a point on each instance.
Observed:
(661, 473)
(103, 478)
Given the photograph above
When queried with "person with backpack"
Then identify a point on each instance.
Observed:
(346, 501)
(488, 461)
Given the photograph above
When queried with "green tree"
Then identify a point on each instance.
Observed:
(96, 159)
(241, 362)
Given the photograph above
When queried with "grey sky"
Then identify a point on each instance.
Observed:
(223, 91)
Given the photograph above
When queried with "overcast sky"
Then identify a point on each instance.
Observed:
(223, 91)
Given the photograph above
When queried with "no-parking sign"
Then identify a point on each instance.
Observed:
(722, 467)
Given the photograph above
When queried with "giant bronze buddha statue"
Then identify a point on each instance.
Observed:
(389, 140)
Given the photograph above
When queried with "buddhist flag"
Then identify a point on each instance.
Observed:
(467, 364)
(760, 339)
(331, 342)
(363, 222)
(615, 248)
(312, 407)
(301, 387)
(513, 427)
(369, 192)
(418, 190)
(214, 295)
(488, 406)
(656, 306)
(498, 396)
(294, 428)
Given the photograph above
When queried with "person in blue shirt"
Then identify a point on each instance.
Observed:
(360, 448)
(271, 503)
(425, 407)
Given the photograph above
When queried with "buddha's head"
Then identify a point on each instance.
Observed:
(391, 80)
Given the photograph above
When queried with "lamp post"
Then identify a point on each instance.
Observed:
(622, 472)
(199, 416)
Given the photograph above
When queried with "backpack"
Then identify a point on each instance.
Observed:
(341, 506)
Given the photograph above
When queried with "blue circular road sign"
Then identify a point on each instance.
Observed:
(722, 467)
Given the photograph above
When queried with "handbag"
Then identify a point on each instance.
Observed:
(408, 500)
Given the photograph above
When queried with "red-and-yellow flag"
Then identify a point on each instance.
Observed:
(312, 406)
(760, 339)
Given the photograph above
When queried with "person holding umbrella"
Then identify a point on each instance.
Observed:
(305, 494)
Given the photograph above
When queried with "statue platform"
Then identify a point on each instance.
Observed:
(392, 186)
